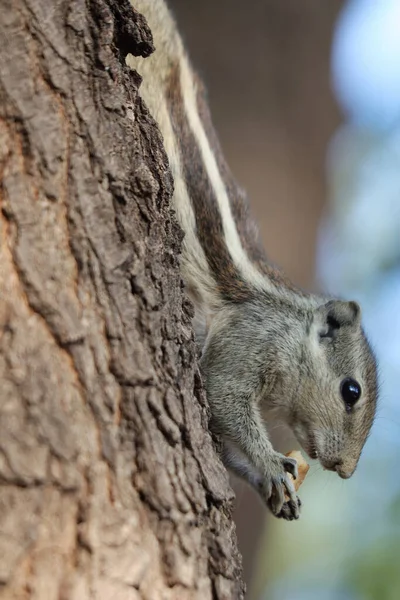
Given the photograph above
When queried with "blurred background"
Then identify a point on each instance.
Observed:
(305, 97)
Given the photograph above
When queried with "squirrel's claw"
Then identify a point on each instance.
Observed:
(290, 510)
(281, 484)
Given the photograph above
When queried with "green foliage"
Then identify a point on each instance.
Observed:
(374, 574)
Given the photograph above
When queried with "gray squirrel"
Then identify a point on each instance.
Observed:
(265, 345)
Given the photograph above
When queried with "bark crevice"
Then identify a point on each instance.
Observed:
(109, 482)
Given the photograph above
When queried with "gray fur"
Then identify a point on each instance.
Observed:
(269, 355)
(273, 349)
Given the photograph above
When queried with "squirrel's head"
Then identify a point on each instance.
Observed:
(334, 398)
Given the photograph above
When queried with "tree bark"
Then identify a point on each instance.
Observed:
(110, 486)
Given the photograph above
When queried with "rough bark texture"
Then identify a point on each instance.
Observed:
(110, 486)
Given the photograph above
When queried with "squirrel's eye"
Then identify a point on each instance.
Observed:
(351, 392)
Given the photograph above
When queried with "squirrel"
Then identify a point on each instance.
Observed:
(267, 348)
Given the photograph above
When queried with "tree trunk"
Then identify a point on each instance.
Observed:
(110, 486)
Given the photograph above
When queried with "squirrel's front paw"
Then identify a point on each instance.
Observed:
(290, 509)
(277, 484)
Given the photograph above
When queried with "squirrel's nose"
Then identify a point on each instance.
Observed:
(343, 472)
(344, 468)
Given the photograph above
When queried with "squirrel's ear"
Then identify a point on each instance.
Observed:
(336, 314)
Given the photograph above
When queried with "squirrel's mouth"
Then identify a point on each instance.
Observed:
(335, 466)
(311, 450)
(309, 446)
(306, 440)
(312, 453)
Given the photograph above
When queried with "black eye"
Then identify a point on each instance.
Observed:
(351, 392)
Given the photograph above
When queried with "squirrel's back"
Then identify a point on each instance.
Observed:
(223, 259)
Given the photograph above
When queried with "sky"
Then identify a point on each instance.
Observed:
(366, 62)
